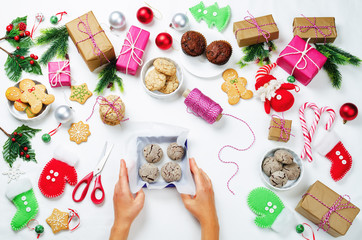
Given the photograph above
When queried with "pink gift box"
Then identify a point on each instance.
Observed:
(132, 50)
(301, 60)
(59, 74)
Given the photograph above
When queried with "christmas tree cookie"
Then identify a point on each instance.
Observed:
(212, 15)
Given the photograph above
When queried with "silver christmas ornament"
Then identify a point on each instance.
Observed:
(63, 113)
(180, 21)
(117, 20)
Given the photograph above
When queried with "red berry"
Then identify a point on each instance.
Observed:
(27, 33)
(21, 34)
(13, 139)
(17, 47)
(22, 57)
(20, 134)
(22, 26)
(32, 55)
(31, 62)
(15, 133)
(9, 28)
(16, 38)
(21, 153)
(27, 156)
(17, 55)
(25, 149)
(35, 57)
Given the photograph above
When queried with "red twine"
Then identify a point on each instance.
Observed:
(61, 15)
(54, 131)
(73, 215)
(282, 127)
(38, 19)
(310, 229)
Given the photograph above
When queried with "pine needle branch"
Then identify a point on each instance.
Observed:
(108, 77)
(334, 75)
(259, 53)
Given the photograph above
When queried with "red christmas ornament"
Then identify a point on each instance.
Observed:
(348, 112)
(164, 41)
(16, 38)
(145, 15)
(9, 28)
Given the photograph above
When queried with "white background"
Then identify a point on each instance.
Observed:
(164, 216)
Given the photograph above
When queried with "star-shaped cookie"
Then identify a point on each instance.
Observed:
(80, 93)
(79, 132)
(58, 220)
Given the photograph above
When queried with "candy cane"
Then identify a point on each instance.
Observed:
(265, 70)
(332, 116)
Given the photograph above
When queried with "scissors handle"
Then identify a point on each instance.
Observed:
(97, 186)
(87, 180)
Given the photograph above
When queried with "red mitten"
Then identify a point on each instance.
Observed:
(332, 148)
(57, 172)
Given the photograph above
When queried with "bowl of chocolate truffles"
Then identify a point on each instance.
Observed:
(281, 169)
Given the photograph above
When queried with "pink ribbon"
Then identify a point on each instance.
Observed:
(116, 107)
(131, 48)
(337, 205)
(316, 28)
(251, 19)
(87, 30)
(282, 127)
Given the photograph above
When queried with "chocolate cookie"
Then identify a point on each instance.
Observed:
(171, 172)
(175, 151)
(292, 171)
(283, 156)
(152, 153)
(278, 179)
(149, 172)
(193, 43)
(270, 165)
(218, 52)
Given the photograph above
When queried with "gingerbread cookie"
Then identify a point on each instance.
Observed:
(155, 80)
(13, 94)
(58, 220)
(164, 66)
(35, 95)
(171, 84)
(235, 86)
(79, 132)
(80, 93)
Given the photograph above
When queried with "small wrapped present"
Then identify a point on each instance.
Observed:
(279, 129)
(318, 29)
(255, 30)
(59, 74)
(91, 41)
(132, 51)
(330, 211)
(301, 60)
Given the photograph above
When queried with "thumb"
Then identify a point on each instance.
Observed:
(185, 197)
(140, 197)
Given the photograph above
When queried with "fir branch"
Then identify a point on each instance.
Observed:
(24, 41)
(351, 58)
(18, 20)
(109, 76)
(333, 73)
(259, 53)
(58, 39)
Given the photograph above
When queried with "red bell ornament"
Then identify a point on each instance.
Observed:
(164, 41)
(348, 112)
(145, 15)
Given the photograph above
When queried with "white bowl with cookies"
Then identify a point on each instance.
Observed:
(281, 169)
(162, 77)
(28, 100)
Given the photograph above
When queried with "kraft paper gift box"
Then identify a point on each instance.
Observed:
(301, 60)
(318, 29)
(280, 129)
(59, 74)
(91, 41)
(317, 206)
(132, 50)
(247, 33)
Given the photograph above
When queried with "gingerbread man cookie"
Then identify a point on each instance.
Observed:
(35, 95)
(235, 86)
(13, 94)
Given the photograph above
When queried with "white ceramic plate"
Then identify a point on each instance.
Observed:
(291, 183)
(148, 66)
(22, 115)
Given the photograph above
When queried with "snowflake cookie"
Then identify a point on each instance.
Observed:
(58, 220)
(80, 93)
(79, 132)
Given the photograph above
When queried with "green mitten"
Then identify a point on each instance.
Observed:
(22, 195)
(212, 15)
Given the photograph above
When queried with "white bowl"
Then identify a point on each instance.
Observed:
(22, 115)
(148, 66)
(291, 183)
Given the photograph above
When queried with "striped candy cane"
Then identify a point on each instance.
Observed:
(308, 134)
(264, 70)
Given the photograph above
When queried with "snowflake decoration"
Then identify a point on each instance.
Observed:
(58, 220)
(80, 93)
(79, 132)
(14, 173)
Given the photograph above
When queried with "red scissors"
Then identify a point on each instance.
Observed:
(97, 174)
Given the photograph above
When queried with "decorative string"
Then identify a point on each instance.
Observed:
(310, 229)
(200, 105)
(73, 215)
(54, 131)
(57, 74)
(131, 48)
(316, 28)
(303, 56)
(261, 32)
(61, 15)
(155, 9)
(116, 107)
(337, 205)
(38, 19)
(308, 134)
(88, 31)
(33, 222)
(283, 130)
